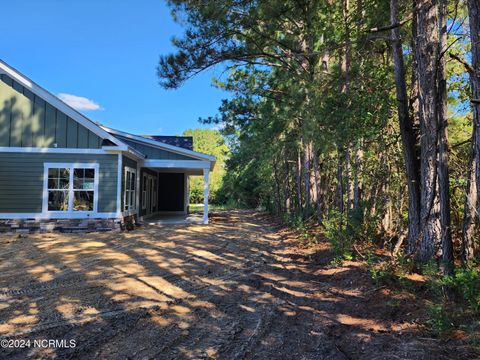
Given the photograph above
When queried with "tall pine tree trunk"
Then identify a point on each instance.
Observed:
(306, 178)
(340, 205)
(443, 172)
(406, 131)
(472, 198)
(357, 182)
(316, 173)
(298, 179)
(427, 24)
(287, 192)
(469, 215)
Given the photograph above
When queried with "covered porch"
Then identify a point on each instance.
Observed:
(164, 191)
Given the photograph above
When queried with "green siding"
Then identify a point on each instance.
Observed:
(21, 180)
(26, 120)
(72, 133)
(155, 153)
(5, 113)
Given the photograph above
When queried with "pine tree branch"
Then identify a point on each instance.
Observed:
(392, 26)
(467, 66)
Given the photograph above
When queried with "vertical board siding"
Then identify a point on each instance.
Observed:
(82, 137)
(72, 133)
(38, 122)
(50, 124)
(93, 141)
(61, 137)
(7, 98)
(27, 117)
(21, 180)
(26, 121)
(18, 104)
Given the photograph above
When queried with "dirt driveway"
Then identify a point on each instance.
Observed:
(235, 289)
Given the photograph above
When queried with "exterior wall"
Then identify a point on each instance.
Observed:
(155, 153)
(26, 120)
(126, 161)
(21, 179)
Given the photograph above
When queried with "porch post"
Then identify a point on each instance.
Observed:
(205, 195)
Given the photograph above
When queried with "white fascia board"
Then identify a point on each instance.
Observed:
(177, 164)
(56, 102)
(160, 145)
(50, 150)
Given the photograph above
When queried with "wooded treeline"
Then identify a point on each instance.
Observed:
(360, 115)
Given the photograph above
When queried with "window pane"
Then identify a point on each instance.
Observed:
(88, 184)
(78, 184)
(57, 200)
(83, 201)
(65, 173)
(63, 183)
(78, 173)
(90, 173)
(133, 182)
(53, 184)
(53, 173)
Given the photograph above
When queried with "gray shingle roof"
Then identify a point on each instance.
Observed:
(185, 142)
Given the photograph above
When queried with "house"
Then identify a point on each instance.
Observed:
(60, 170)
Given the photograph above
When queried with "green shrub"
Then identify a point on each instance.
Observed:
(466, 283)
(439, 319)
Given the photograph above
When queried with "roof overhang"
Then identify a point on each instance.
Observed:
(157, 144)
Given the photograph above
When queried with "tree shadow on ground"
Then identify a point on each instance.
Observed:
(233, 289)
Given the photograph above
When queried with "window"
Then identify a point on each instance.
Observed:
(83, 189)
(71, 187)
(144, 192)
(130, 178)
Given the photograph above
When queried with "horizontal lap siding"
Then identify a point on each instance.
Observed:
(26, 120)
(21, 180)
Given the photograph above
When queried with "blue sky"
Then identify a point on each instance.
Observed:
(105, 51)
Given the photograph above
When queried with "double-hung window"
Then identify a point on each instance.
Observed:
(130, 185)
(144, 192)
(70, 188)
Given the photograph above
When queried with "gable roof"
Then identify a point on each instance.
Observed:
(59, 104)
(160, 145)
(114, 136)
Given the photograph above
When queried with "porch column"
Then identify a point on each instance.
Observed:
(206, 171)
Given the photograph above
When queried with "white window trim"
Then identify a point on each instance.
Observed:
(144, 191)
(70, 213)
(133, 208)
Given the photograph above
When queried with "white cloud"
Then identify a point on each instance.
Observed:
(79, 102)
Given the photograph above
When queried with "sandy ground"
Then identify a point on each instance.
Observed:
(239, 288)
